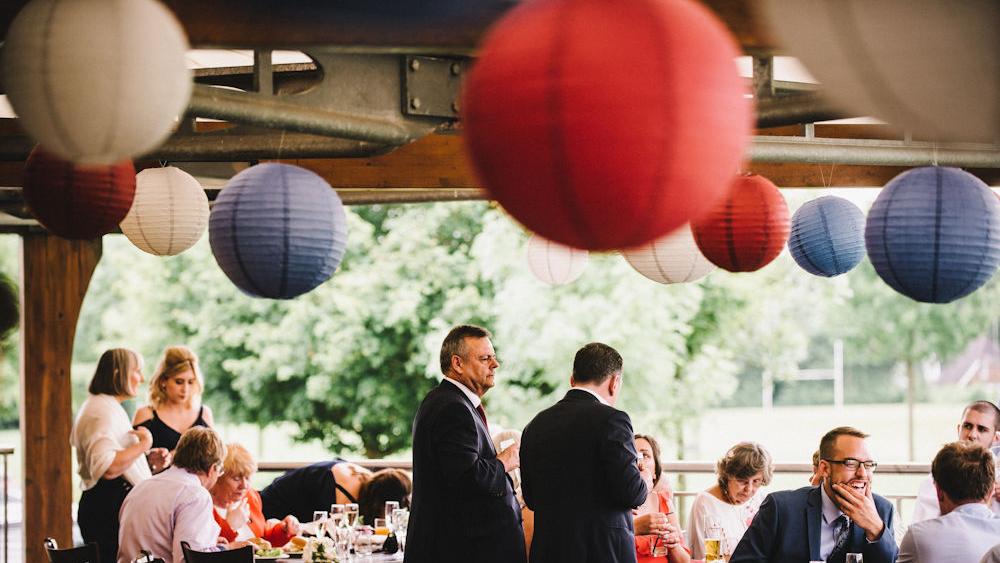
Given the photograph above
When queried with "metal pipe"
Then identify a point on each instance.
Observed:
(794, 109)
(866, 152)
(270, 112)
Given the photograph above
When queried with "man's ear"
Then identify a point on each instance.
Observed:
(572, 381)
(456, 363)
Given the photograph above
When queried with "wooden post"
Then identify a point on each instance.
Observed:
(54, 277)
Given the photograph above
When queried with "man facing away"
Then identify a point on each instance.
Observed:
(826, 522)
(967, 528)
(578, 468)
(463, 506)
(980, 424)
(175, 505)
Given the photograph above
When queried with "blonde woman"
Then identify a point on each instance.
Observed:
(174, 399)
(110, 454)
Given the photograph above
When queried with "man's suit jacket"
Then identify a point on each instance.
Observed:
(964, 534)
(579, 475)
(463, 506)
(787, 530)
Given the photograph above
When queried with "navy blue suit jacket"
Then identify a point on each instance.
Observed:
(579, 475)
(787, 530)
(463, 507)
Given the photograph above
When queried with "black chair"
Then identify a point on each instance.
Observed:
(86, 553)
(241, 555)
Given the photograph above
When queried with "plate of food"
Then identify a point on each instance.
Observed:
(269, 554)
(295, 547)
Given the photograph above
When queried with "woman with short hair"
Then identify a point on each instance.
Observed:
(111, 456)
(734, 499)
(237, 506)
(174, 399)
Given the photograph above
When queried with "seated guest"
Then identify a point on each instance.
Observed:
(815, 478)
(734, 499)
(174, 506)
(237, 504)
(657, 532)
(824, 523)
(302, 491)
(967, 528)
(979, 424)
(527, 515)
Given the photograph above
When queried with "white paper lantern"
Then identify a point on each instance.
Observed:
(97, 81)
(674, 258)
(169, 214)
(554, 263)
(924, 65)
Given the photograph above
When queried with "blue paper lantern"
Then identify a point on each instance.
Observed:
(828, 236)
(277, 230)
(933, 234)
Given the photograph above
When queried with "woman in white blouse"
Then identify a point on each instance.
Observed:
(734, 500)
(111, 455)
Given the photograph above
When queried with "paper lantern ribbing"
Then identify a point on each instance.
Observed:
(169, 214)
(674, 258)
(554, 263)
(596, 150)
(933, 234)
(96, 81)
(76, 201)
(828, 236)
(747, 231)
(277, 230)
(928, 66)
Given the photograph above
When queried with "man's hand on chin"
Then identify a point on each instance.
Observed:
(860, 508)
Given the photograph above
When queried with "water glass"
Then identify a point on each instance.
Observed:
(390, 505)
(854, 558)
(363, 541)
(319, 518)
(351, 512)
(337, 515)
(400, 520)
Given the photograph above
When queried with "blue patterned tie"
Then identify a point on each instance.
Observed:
(841, 533)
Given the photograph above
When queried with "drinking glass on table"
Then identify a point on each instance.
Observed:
(338, 515)
(381, 527)
(390, 505)
(319, 518)
(854, 558)
(351, 512)
(400, 520)
(363, 541)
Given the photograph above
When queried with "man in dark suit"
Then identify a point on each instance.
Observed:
(827, 522)
(463, 506)
(578, 468)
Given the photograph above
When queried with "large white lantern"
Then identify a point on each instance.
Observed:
(674, 258)
(96, 81)
(169, 213)
(924, 65)
(554, 263)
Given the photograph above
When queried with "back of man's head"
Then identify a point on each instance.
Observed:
(199, 449)
(454, 343)
(595, 362)
(987, 408)
(829, 440)
(964, 471)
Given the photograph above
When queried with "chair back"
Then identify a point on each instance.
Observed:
(86, 553)
(241, 555)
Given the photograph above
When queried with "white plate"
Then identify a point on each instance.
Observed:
(275, 558)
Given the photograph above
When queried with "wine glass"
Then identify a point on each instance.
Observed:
(351, 512)
(390, 506)
(337, 515)
(400, 520)
(854, 558)
(319, 518)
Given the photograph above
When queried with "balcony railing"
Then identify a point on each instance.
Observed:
(5, 453)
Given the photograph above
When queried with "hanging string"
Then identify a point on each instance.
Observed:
(163, 163)
(934, 161)
(822, 177)
(281, 144)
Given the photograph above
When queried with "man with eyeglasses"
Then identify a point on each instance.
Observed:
(824, 523)
(980, 424)
(463, 506)
(175, 505)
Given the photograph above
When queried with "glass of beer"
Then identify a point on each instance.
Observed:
(713, 539)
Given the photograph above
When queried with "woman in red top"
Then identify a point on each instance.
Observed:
(657, 530)
(237, 507)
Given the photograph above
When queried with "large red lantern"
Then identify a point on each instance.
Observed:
(747, 230)
(606, 125)
(77, 201)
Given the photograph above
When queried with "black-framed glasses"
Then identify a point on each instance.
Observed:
(854, 464)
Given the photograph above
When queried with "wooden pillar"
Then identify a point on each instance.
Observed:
(54, 277)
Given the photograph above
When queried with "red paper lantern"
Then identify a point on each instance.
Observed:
(606, 125)
(748, 229)
(76, 201)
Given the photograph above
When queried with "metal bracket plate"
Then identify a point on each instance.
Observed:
(432, 85)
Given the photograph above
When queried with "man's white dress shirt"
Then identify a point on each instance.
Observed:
(963, 535)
